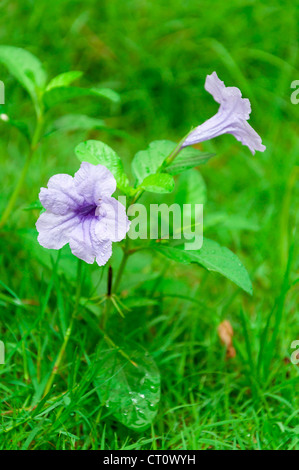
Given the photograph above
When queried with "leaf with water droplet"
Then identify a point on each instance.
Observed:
(130, 381)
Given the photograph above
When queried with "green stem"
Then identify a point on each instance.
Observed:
(106, 308)
(109, 299)
(67, 333)
(18, 187)
(121, 270)
(174, 153)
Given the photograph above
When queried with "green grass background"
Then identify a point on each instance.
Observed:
(156, 55)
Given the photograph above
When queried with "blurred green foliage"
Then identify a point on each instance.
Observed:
(156, 56)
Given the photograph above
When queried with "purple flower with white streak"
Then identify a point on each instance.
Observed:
(80, 211)
(231, 117)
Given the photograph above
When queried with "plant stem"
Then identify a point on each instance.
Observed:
(111, 289)
(121, 269)
(33, 146)
(106, 309)
(67, 333)
(174, 153)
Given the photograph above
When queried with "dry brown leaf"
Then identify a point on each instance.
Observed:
(225, 333)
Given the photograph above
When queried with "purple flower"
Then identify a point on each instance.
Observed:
(80, 211)
(231, 117)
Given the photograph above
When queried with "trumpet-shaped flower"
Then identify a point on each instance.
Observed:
(231, 117)
(80, 211)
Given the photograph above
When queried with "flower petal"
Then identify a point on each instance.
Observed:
(215, 87)
(114, 223)
(231, 118)
(54, 230)
(61, 195)
(247, 136)
(85, 244)
(230, 98)
(93, 182)
(78, 210)
(104, 253)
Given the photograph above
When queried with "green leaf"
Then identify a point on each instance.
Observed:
(26, 68)
(158, 183)
(128, 383)
(61, 94)
(186, 159)
(212, 257)
(147, 162)
(191, 188)
(107, 93)
(96, 152)
(76, 122)
(64, 79)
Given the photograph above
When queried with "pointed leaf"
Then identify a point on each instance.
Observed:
(26, 68)
(64, 79)
(213, 257)
(186, 159)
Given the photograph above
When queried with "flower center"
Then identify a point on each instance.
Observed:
(87, 211)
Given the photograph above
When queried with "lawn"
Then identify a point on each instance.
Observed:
(164, 316)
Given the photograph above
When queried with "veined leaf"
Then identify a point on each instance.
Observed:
(26, 68)
(61, 94)
(64, 79)
(96, 152)
(186, 159)
(147, 162)
(128, 383)
(212, 257)
(158, 183)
